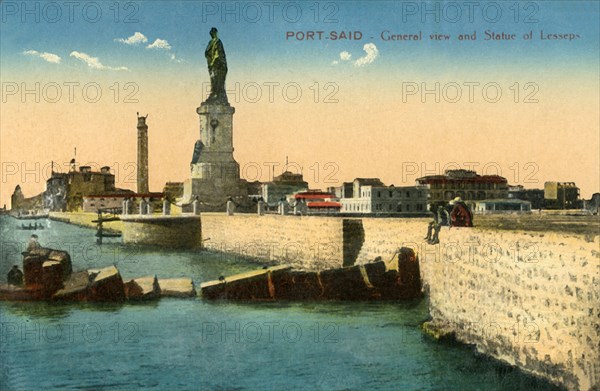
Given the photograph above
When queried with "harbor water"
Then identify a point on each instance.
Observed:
(191, 344)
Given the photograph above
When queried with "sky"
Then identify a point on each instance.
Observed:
(525, 107)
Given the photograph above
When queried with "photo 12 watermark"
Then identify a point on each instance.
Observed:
(269, 332)
(25, 332)
(55, 12)
(69, 92)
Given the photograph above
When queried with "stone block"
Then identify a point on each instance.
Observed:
(297, 285)
(65, 260)
(177, 287)
(376, 273)
(144, 288)
(409, 273)
(345, 284)
(107, 285)
(52, 277)
(32, 266)
(75, 287)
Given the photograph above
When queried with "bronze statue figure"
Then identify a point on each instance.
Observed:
(217, 69)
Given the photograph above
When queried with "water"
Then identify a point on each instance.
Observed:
(194, 344)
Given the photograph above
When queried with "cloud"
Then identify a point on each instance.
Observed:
(159, 44)
(50, 57)
(345, 56)
(135, 39)
(335, 62)
(175, 58)
(94, 62)
(371, 54)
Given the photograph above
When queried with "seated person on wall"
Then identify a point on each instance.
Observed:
(33, 243)
(441, 217)
(460, 216)
(15, 276)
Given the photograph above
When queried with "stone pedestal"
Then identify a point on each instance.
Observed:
(261, 208)
(215, 175)
(230, 208)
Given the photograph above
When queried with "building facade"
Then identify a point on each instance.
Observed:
(65, 191)
(561, 195)
(535, 196)
(465, 184)
(94, 202)
(504, 206)
(21, 205)
(387, 200)
(283, 186)
(317, 202)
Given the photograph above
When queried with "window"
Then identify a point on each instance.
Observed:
(407, 208)
(390, 207)
(408, 194)
(391, 194)
(378, 194)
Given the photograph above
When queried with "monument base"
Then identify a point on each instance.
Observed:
(213, 194)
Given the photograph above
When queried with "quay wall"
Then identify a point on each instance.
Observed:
(528, 299)
(84, 219)
(304, 242)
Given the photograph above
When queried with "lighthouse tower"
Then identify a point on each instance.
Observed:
(142, 155)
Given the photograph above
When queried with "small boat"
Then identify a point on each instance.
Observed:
(30, 227)
(31, 217)
(20, 293)
(108, 234)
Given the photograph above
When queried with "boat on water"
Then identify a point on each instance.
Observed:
(31, 216)
(21, 293)
(108, 234)
(32, 227)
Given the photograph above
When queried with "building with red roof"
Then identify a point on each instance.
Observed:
(465, 184)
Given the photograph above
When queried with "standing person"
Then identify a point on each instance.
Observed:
(15, 276)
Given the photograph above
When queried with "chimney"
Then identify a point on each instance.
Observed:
(142, 155)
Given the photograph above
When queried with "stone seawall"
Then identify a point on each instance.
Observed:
(180, 231)
(529, 299)
(84, 220)
(304, 242)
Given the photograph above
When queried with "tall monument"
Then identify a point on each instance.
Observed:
(215, 175)
(142, 155)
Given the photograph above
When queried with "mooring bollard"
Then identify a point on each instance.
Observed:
(196, 207)
(142, 207)
(230, 208)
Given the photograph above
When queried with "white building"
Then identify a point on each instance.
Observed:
(369, 199)
(502, 206)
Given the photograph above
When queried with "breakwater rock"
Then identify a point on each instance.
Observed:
(370, 281)
(48, 275)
